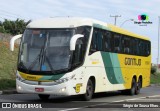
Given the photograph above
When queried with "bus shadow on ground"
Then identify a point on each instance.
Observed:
(78, 98)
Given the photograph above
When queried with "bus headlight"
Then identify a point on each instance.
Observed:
(19, 87)
(64, 79)
(63, 89)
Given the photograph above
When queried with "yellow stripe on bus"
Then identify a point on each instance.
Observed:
(30, 77)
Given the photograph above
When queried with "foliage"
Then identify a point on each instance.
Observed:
(8, 61)
(8, 64)
(13, 27)
(153, 69)
(7, 84)
(155, 78)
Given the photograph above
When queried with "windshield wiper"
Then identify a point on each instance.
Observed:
(35, 61)
(38, 58)
(44, 57)
(50, 65)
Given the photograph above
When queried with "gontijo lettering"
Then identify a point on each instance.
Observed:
(132, 61)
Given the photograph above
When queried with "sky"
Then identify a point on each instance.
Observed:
(96, 9)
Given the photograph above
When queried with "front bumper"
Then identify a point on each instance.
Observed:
(63, 89)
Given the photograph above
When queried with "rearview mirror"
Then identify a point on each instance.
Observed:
(12, 41)
(73, 41)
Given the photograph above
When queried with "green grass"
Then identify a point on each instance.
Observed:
(8, 62)
(155, 78)
(7, 84)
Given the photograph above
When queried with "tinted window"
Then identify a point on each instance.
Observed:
(117, 43)
(97, 40)
(107, 41)
(103, 40)
(126, 45)
(81, 45)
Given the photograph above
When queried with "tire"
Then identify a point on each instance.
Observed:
(43, 96)
(133, 88)
(89, 91)
(139, 86)
(124, 92)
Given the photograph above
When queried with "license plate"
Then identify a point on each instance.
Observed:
(39, 89)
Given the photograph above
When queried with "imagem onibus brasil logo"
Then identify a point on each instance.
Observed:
(143, 17)
(143, 20)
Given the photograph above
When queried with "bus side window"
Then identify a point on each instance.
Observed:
(141, 48)
(126, 45)
(148, 48)
(78, 53)
(93, 46)
(107, 41)
(96, 43)
(99, 40)
(144, 48)
(117, 43)
(81, 44)
(135, 46)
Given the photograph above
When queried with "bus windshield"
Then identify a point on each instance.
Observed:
(45, 49)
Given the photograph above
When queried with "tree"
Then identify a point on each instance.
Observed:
(13, 27)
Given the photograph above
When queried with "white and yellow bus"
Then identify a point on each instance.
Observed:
(80, 56)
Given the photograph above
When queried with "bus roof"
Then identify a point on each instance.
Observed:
(71, 22)
(126, 32)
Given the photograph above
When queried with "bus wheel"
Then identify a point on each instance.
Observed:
(139, 85)
(89, 91)
(43, 96)
(133, 87)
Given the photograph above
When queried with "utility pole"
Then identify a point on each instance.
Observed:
(115, 18)
(158, 42)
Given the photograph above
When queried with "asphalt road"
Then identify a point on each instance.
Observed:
(147, 100)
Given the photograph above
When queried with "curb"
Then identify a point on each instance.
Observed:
(8, 92)
(154, 85)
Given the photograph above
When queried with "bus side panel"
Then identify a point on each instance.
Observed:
(101, 66)
(95, 67)
(135, 66)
